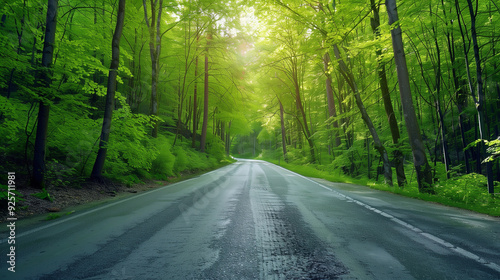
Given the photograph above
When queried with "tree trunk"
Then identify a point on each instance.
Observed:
(480, 102)
(110, 94)
(204, 126)
(38, 177)
(386, 97)
(300, 108)
(154, 27)
(460, 96)
(332, 112)
(422, 167)
(195, 103)
(349, 77)
(438, 75)
(228, 139)
(283, 131)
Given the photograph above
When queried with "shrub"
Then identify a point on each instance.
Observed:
(163, 164)
(181, 159)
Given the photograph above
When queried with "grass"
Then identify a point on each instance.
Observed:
(53, 216)
(467, 191)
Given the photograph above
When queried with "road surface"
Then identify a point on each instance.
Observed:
(255, 220)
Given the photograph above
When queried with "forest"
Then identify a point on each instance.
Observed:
(399, 93)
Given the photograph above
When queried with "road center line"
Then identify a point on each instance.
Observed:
(433, 238)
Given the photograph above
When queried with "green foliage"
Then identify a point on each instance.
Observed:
(4, 194)
(181, 159)
(215, 148)
(163, 164)
(43, 195)
(53, 216)
(468, 189)
(493, 150)
(130, 148)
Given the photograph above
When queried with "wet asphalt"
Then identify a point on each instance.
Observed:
(255, 220)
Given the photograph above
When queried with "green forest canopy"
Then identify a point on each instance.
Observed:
(308, 82)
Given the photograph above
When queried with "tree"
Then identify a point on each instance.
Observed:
(110, 94)
(422, 167)
(386, 96)
(480, 100)
(204, 125)
(349, 77)
(153, 23)
(38, 177)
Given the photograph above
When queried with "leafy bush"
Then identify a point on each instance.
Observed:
(130, 148)
(163, 164)
(215, 148)
(468, 189)
(181, 159)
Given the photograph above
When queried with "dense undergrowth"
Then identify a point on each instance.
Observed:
(467, 191)
(133, 156)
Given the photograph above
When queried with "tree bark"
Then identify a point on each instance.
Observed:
(422, 167)
(110, 94)
(38, 177)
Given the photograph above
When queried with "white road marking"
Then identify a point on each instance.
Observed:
(72, 217)
(427, 235)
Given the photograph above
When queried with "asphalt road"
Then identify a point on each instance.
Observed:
(255, 220)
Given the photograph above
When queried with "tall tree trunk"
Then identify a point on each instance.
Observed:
(298, 102)
(422, 167)
(228, 139)
(386, 97)
(195, 103)
(283, 131)
(349, 78)
(204, 126)
(38, 177)
(460, 96)
(480, 101)
(332, 112)
(442, 130)
(110, 94)
(154, 28)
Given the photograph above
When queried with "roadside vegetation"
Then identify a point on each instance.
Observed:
(467, 191)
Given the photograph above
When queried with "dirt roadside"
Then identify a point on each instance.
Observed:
(63, 198)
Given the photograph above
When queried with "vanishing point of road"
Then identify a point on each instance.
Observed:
(256, 220)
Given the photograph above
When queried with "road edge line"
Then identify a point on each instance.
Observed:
(431, 237)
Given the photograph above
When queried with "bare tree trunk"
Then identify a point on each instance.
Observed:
(38, 177)
(422, 167)
(110, 94)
